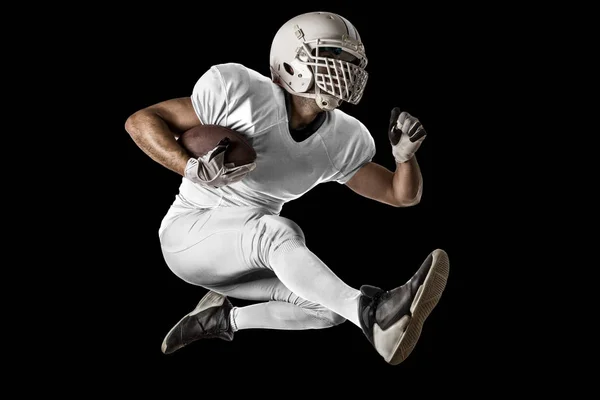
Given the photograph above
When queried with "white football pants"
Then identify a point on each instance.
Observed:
(247, 253)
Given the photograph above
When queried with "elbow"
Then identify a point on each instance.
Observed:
(408, 200)
(132, 124)
(414, 201)
(139, 122)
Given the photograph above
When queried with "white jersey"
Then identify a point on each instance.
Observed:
(237, 97)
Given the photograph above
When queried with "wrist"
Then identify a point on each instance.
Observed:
(411, 161)
(400, 156)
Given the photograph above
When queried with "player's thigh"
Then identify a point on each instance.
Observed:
(203, 247)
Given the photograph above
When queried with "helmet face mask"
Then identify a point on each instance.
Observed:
(320, 55)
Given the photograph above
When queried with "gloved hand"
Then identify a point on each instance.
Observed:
(211, 170)
(406, 135)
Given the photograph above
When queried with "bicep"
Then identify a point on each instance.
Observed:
(178, 114)
(373, 181)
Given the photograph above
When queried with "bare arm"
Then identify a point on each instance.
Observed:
(402, 188)
(155, 130)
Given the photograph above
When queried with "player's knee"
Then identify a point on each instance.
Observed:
(281, 229)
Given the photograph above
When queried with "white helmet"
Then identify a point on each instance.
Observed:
(304, 54)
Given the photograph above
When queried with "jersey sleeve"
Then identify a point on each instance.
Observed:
(209, 98)
(356, 154)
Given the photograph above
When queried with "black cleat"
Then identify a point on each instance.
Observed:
(392, 320)
(210, 319)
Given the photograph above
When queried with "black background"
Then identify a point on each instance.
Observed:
(435, 63)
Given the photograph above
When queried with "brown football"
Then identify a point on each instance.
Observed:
(201, 139)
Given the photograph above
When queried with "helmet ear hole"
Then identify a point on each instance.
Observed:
(288, 68)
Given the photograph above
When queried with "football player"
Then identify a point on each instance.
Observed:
(224, 231)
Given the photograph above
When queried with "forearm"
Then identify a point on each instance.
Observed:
(153, 136)
(407, 183)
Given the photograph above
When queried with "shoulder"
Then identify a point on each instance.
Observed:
(241, 97)
(231, 78)
(349, 145)
(238, 78)
(348, 131)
